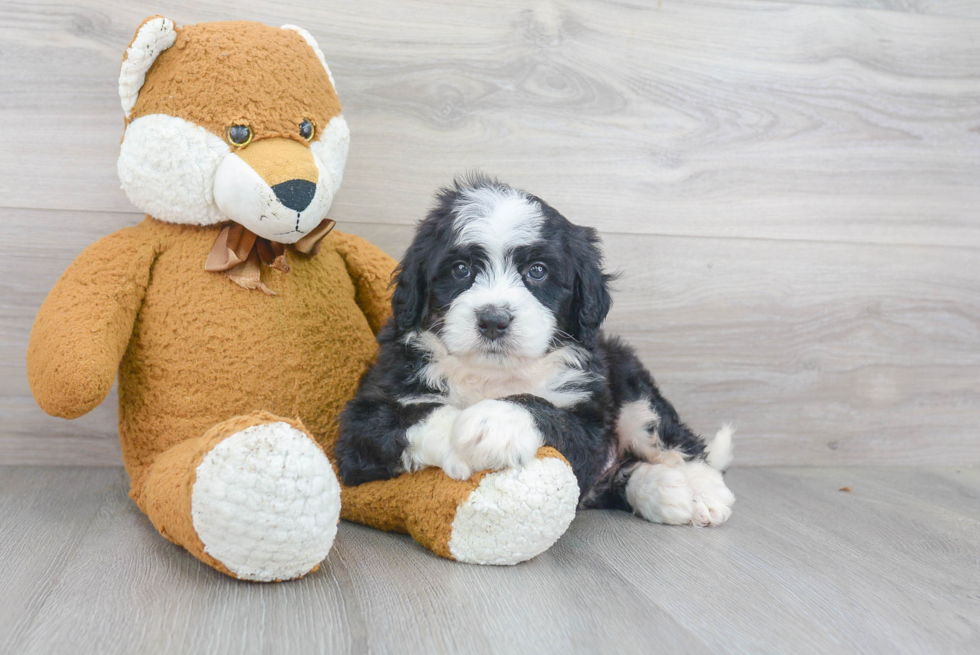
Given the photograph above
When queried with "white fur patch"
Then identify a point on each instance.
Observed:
(428, 440)
(712, 499)
(331, 150)
(721, 451)
(679, 493)
(266, 503)
(243, 196)
(497, 218)
(492, 434)
(531, 329)
(153, 37)
(167, 167)
(515, 514)
(661, 494)
(467, 379)
(316, 48)
(636, 429)
(179, 172)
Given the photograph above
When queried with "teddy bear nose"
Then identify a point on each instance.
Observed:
(295, 194)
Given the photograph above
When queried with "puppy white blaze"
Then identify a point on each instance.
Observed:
(498, 220)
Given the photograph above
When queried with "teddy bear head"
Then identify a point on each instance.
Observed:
(233, 121)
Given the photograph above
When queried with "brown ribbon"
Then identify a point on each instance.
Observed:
(239, 253)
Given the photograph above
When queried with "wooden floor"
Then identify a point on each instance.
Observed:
(802, 567)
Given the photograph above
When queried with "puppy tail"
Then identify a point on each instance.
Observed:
(719, 451)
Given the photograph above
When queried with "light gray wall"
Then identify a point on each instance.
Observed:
(791, 190)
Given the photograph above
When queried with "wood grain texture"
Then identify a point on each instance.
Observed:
(727, 118)
(801, 567)
(853, 353)
(789, 188)
(958, 8)
(44, 515)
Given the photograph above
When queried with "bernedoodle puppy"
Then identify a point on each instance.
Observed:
(495, 349)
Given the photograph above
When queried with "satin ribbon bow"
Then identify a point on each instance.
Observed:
(239, 253)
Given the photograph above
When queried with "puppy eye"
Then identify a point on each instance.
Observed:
(306, 130)
(239, 135)
(461, 271)
(537, 272)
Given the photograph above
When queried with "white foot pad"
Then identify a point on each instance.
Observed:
(266, 503)
(690, 493)
(515, 514)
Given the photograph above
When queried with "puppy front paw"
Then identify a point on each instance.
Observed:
(492, 434)
(456, 468)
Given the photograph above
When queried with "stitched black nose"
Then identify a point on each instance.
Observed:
(295, 194)
(493, 322)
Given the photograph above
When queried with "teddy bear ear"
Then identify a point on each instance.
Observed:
(155, 35)
(316, 48)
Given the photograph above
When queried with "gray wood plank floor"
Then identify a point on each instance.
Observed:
(802, 567)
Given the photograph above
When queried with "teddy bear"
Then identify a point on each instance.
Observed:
(239, 321)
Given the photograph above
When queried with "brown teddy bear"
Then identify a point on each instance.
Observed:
(240, 323)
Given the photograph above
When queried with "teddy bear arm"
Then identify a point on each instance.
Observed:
(83, 328)
(370, 268)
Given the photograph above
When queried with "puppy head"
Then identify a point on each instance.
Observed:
(231, 121)
(497, 274)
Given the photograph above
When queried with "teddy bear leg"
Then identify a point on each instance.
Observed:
(498, 517)
(255, 497)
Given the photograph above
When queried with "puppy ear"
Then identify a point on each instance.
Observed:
(410, 301)
(155, 35)
(592, 300)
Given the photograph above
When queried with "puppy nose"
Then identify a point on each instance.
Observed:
(295, 194)
(493, 321)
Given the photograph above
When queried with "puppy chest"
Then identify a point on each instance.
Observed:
(464, 384)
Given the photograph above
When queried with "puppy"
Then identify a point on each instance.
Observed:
(495, 350)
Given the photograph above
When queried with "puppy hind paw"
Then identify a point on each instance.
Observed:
(661, 494)
(713, 499)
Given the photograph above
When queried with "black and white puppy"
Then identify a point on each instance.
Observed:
(495, 349)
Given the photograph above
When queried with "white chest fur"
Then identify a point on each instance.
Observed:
(463, 381)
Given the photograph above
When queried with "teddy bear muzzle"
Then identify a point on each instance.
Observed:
(274, 187)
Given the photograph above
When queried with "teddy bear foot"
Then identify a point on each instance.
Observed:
(496, 517)
(255, 497)
(266, 503)
(515, 514)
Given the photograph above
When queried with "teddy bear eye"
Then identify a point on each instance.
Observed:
(306, 130)
(239, 135)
